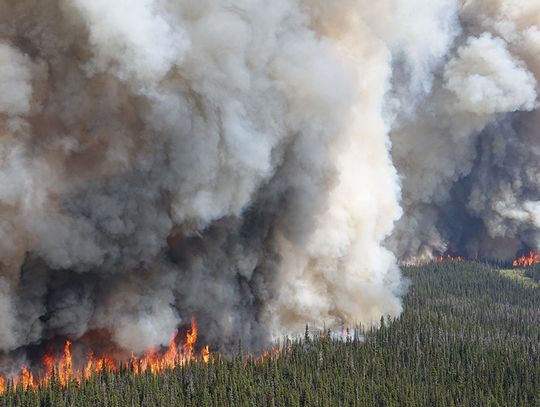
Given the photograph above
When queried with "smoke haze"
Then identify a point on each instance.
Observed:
(260, 165)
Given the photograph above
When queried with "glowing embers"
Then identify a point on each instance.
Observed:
(527, 261)
(61, 368)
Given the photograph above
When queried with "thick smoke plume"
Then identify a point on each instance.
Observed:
(468, 150)
(260, 165)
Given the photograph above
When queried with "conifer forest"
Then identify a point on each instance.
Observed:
(469, 336)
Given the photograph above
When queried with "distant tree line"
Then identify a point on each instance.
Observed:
(533, 272)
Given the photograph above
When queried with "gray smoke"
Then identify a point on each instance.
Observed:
(469, 152)
(258, 165)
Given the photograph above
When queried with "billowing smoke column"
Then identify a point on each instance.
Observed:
(468, 149)
(163, 159)
(257, 164)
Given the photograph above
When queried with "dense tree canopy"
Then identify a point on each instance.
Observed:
(469, 336)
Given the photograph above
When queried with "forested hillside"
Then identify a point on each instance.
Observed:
(469, 336)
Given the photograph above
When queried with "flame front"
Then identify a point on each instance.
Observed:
(448, 257)
(152, 361)
(527, 261)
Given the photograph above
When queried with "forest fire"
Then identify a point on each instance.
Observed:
(448, 257)
(62, 368)
(527, 260)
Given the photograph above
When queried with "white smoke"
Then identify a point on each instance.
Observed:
(246, 161)
(486, 79)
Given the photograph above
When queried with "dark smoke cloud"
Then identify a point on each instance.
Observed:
(163, 159)
(260, 165)
(469, 154)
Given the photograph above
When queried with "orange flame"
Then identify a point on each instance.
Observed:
(26, 378)
(65, 366)
(191, 338)
(205, 354)
(448, 257)
(152, 361)
(527, 261)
